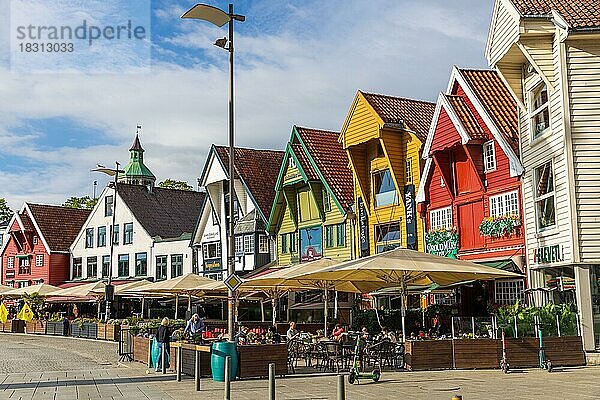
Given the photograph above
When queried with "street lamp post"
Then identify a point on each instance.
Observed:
(109, 289)
(219, 18)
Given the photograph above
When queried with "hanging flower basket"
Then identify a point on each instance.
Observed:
(499, 226)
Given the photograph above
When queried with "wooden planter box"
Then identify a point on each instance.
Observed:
(35, 327)
(88, 330)
(13, 326)
(55, 328)
(564, 351)
(254, 360)
(428, 354)
(140, 349)
(188, 360)
(108, 332)
(522, 352)
(477, 353)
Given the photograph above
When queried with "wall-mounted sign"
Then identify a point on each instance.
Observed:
(311, 243)
(213, 264)
(442, 242)
(549, 254)
(206, 236)
(363, 224)
(411, 216)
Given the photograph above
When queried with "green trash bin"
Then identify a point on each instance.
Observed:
(220, 350)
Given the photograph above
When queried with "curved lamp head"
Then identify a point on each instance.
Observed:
(208, 13)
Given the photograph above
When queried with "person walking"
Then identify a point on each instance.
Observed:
(163, 337)
(194, 326)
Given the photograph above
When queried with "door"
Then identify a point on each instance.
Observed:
(470, 216)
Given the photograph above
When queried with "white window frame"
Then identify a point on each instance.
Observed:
(507, 292)
(537, 199)
(538, 89)
(39, 260)
(35, 240)
(239, 244)
(10, 263)
(249, 244)
(326, 200)
(505, 204)
(440, 218)
(263, 244)
(489, 156)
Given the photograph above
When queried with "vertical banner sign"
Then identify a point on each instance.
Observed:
(411, 216)
(363, 224)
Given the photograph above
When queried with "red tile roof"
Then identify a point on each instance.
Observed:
(304, 162)
(416, 114)
(331, 160)
(496, 99)
(58, 225)
(579, 14)
(258, 169)
(468, 120)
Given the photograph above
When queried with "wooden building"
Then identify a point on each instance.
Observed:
(548, 53)
(383, 136)
(470, 192)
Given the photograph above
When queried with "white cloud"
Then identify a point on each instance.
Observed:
(305, 71)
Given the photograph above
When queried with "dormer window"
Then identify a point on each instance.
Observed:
(540, 111)
(489, 156)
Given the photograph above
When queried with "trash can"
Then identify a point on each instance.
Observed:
(220, 350)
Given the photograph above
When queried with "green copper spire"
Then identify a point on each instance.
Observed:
(136, 173)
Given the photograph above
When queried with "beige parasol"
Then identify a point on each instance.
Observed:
(43, 289)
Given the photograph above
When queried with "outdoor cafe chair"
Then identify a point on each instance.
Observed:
(333, 351)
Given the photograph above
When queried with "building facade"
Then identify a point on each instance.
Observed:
(548, 53)
(470, 191)
(255, 176)
(383, 136)
(36, 249)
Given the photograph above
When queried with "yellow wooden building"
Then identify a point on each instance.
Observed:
(383, 136)
(314, 194)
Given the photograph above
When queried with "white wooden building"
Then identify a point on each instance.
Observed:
(548, 53)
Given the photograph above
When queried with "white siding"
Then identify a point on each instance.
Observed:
(583, 65)
(541, 52)
(504, 32)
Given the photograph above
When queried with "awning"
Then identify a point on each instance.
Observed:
(505, 265)
(23, 255)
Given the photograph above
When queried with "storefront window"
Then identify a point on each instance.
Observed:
(384, 188)
(544, 196)
(560, 285)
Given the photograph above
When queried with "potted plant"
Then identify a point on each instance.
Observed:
(504, 225)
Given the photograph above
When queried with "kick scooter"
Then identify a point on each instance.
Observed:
(355, 371)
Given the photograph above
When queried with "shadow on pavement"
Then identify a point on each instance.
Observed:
(84, 382)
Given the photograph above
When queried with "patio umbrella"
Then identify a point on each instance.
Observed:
(403, 268)
(92, 289)
(188, 285)
(288, 278)
(122, 290)
(4, 289)
(43, 289)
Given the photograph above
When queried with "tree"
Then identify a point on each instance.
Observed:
(173, 184)
(80, 202)
(5, 212)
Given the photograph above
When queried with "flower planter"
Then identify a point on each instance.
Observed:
(35, 327)
(13, 326)
(188, 360)
(254, 360)
(140, 349)
(56, 328)
(428, 354)
(476, 353)
(108, 332)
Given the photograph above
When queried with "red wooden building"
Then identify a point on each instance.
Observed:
(36, 249)
(470, 192)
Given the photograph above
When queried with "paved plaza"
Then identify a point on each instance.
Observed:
(42, 367)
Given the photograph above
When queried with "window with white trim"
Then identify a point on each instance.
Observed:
(35, 240)
(489, 156)
(263, 244)
(504, 204)
(10, 263)
(509, 291)
(545, 204)
(239, 244)
(39, 260)
(441, 218)
(539, 111)
(249, 244)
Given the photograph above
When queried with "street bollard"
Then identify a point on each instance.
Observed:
(179, 363)
(227, 380)
(163, 357)
(271, 381)
(341, 388)
(149, 354)
(197, 371)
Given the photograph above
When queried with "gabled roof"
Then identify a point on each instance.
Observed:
(466, 117)
(58, 226)
(258, 170)
(497, 101)
(164, 213)
(579, 14)
(331, 161)
(415, 114)
(305, 164)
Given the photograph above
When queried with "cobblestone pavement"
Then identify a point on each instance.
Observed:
(39, 367)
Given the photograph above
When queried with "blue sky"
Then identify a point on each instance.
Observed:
(297, 62)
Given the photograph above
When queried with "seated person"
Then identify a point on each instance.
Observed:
(194, 326)
(337, 332)
(292, 333)
(240, 338)
(364, 333)
(386, 334)
(275, 336)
